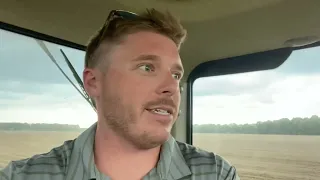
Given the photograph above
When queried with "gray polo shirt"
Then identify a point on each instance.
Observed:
(74, 161)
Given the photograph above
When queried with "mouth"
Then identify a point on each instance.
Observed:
(165, 111)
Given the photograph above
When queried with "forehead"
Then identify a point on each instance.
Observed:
(149, 43)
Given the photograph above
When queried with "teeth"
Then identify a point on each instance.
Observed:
(160, 111)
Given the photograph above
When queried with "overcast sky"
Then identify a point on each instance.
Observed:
(292, 90)
(33, 90)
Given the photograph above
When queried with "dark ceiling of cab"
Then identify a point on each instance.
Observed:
(216, 29)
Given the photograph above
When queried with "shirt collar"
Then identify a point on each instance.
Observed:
(84, 147)
(171, 164)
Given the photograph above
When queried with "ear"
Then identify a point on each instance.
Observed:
(91, 82)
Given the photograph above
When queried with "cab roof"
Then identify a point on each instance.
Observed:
(216, 29)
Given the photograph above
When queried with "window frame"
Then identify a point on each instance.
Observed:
(265, 60)
(40, 36)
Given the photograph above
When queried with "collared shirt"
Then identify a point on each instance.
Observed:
(74, 160)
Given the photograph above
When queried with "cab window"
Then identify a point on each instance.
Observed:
(39, 107)
(266, 123)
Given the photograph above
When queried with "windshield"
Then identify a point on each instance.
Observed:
(266, 123)
(32, 85)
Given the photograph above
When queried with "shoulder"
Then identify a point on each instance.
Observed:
(51, 165)
(204, 162)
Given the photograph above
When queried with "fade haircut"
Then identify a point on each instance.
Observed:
(151, 20)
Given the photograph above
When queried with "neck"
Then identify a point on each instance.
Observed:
(113, 154)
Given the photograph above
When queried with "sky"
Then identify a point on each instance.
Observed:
(291, 90)
(33, 90)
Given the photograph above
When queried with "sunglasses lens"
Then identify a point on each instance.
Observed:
(120, 13)
(127, 15)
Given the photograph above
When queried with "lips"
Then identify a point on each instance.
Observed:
(159, 111)
(162, 110)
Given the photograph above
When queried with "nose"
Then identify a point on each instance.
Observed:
(168, 86)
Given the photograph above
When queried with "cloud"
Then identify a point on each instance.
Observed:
(293, 96)
(79, 114)
(301, 62)
(291, 90)
(304, 61)
(234, 84)
(22, 59)
(33, 90)
(56, 104)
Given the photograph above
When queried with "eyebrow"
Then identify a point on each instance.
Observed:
(151, 57)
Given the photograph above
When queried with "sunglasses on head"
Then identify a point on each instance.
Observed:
(117, 14)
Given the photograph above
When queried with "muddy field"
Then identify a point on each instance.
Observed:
(257, 157)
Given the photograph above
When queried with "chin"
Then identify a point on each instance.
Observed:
(151, 139)
(161, 136)
(152, 132)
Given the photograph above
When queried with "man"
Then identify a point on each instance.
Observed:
(132, 71)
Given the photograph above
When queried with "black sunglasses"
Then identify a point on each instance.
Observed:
(117, 14)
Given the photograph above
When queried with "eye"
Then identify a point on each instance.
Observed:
(177, 75)
(147, 67)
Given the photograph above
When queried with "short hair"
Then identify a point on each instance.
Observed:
(152, 20)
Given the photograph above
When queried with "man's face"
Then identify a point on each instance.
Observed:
(139, 94)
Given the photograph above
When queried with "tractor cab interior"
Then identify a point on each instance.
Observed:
(251, 79)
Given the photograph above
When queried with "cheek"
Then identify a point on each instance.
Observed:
(131, 89)
(138, 93)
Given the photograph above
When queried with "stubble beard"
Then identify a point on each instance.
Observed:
(121, 120)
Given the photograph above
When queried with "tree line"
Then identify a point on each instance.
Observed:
(285, 126)
(295, 126)
(38, 127)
